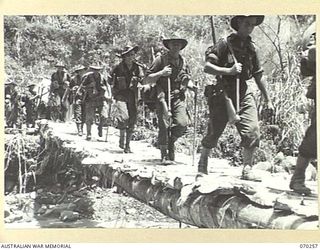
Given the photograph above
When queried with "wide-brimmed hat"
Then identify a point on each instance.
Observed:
(79, 67)
(127, 49)
(10, 82)
(60, 65)
(234, 20)
(306, 38)
(182, 41)
(96, 66)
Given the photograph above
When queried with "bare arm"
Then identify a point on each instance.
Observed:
(213, 69)
(153, 77)
(262, 87)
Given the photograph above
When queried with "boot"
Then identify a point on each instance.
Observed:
(79, 129)
(203, 162)
(247, 173)
(128, 139)
(100, 130)
(298, 178)
(89, 132)
(121, 140)
(164, 154)
(171, 149)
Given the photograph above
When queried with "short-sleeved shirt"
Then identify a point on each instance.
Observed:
(245, 53)
(121, 77)
(180, 70)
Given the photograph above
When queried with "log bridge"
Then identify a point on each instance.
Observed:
(219, 200)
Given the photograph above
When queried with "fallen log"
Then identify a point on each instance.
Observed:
(222, 208)
(221, 203)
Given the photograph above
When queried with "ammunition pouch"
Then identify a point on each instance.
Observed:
(214, 93)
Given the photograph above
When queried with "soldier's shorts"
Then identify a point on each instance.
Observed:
(90, 111)
(308, 147)
(247, 126)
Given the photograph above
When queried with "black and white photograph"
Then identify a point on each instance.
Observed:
(160, 121)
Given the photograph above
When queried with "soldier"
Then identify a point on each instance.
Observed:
(170, 70)
(31, 106)
(60, 81)
(76, 99)
(220, 62)
(14, 118)
(308, 147)
(95, 87)
(125, 78)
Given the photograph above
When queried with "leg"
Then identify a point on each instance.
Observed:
(307, 151)
(88, 125)
(163, 132)
(247, 155)
(83, 115)
(90, 115)
(129, 133)
(77, 117)
(216, 125)
(122, 116)
(122, 137)
(132, 111)
(297, 182)
(179, 124)
(100, 119)
(250, 135)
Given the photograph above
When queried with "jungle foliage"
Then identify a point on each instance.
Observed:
(33, 44)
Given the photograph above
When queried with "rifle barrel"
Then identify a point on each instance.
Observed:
(213, 31)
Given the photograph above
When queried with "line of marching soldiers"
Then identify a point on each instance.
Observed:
(233, 60)
(92, 95)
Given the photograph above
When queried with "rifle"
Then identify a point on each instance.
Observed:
(194, 126)
(169, 106)
(152, 53)
(233, 117)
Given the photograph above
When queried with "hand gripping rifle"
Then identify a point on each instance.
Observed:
(233, 117)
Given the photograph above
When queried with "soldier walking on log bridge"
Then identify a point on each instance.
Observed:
(172, 76)
(76, 99)
(220, 62)
(125, 78)
(308, 147)
(95, 86)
